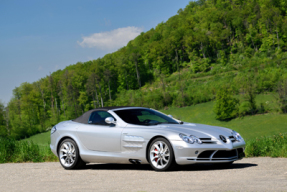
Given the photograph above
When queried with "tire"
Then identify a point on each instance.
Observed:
(69, 155)
(165, 160)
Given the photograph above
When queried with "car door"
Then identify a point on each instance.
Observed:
(97, 135)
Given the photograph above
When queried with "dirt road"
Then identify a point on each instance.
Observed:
(249, 174)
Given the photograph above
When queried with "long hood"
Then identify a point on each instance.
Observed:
(199, 130)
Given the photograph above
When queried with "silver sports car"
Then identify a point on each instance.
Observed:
(141, 135)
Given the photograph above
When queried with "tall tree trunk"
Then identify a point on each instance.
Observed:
(97, 83)
(102, 101)
(94, 102)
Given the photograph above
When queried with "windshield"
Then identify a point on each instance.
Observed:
(144, 117)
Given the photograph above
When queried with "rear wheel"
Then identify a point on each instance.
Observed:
(160, 155)
(69, 156)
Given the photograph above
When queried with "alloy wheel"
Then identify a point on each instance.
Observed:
(67, 154)
(159, 154)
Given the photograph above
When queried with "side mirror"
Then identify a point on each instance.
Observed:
(170, 116)
(110, 120)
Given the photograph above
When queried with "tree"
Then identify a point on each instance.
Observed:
(226, 105)
(108, 75)
(92, 89)
(248, 87)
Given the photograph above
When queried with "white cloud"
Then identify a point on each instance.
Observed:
(40, 68)
(111, 40)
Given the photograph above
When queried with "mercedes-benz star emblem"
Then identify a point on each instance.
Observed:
(222, 138)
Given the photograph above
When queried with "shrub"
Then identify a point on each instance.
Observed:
(226, 105)
(243, 109)
(275, 146)
(24, 151)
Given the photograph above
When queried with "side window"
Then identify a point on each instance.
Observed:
(98, 117)
(147, 115)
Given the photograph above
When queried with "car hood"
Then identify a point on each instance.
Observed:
(198, 130)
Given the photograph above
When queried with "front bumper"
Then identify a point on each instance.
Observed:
(207, 153)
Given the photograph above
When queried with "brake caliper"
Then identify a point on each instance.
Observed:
(155, 155)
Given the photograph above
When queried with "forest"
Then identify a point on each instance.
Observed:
(207, 46)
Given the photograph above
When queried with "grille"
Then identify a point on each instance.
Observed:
(207, 141)
(225, 154)
(212, 155)
(205, 154)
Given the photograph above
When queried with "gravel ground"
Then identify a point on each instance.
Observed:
(249, 174)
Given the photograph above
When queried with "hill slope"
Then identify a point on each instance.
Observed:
(250, 127)
(181, 62)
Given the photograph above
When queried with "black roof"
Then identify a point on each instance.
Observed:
(85, 117)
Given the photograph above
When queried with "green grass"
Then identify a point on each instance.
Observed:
(249, 127)
(42, 139)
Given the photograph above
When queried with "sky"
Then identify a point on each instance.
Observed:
(39, 37)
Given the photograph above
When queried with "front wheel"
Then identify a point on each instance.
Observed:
(160, 155)
(69, 155)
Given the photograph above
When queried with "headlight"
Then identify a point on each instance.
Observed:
(53, 130)
(190, 139)
(236, 136)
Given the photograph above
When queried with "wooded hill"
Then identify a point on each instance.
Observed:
(184, 61)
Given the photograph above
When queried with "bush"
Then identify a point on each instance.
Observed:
(243, 109)
(24, 151)
(275, 146)
(226, 105)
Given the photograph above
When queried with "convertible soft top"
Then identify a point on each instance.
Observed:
(85, 117)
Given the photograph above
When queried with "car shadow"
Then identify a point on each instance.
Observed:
(211, 167)
(146, 167)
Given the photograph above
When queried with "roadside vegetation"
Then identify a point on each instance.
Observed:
(273, 146)
(23, 151)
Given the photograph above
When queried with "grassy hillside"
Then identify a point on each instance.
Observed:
(42, 139)
(249, 127)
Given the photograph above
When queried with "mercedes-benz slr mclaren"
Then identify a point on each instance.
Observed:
(141, 136)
